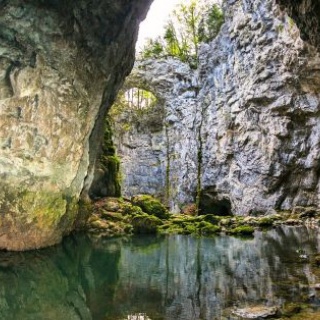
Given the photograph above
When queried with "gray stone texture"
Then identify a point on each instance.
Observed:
(61, 63)
(255, 101)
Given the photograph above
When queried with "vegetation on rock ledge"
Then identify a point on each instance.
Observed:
(187, 27)
(146, 215)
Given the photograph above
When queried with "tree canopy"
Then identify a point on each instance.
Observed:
(188, 25)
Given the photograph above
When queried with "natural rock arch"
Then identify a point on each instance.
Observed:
(245, 124)
(61, 64)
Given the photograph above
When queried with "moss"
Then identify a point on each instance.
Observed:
(171, 229)
(242, 230)
(265, 222)
(151, 206)
(190, 229)
(113, 216)
(44, 209)
(110, 163)
(167, 181)
(209, 229)
(85, 209)
(130, 210)
(145, 224)
(210, 218)
(316, 260)
(308, 212)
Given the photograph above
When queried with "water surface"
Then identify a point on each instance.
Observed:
(168, 277)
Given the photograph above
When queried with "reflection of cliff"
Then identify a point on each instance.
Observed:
(190, 278)
(171, 278)
(71, 281)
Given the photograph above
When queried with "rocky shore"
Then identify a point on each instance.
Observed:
(143, 214)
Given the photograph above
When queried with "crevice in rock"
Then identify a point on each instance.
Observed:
(167, 181)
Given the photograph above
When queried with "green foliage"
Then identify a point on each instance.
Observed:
(188, 26)
(153, 48)
(135, 101)
(110, 163)
(134, 108)
(210, 24)
(151, 206)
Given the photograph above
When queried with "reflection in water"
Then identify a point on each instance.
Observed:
(175, 277)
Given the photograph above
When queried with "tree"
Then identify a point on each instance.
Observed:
(210, 24)
(186, 27)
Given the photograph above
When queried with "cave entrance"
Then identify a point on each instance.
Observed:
(212, 203)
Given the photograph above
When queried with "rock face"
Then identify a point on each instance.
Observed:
(159, 147)
(60, 67)
(243, 128)
(306, 14)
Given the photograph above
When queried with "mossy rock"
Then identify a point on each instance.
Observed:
(242, 230)
(130, 210)
(180, 221)
(290, 309)
(308, 213)
(145, 224)
(190, 229)
(316, 260)
(113, 216)
(111, 204)
(169, 228)
(210, 218)
(151, 206)
(265, 222)
(210, 230)
(226, 222)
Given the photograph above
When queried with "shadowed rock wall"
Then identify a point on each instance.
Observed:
(61, 63)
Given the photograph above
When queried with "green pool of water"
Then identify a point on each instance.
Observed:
(168, 277)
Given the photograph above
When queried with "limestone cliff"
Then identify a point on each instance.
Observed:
(61, 63)
(243, 128)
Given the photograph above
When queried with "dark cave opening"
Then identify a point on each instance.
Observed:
(210, 203)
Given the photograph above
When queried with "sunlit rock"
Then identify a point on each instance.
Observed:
(244, 127)
(256, 312)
